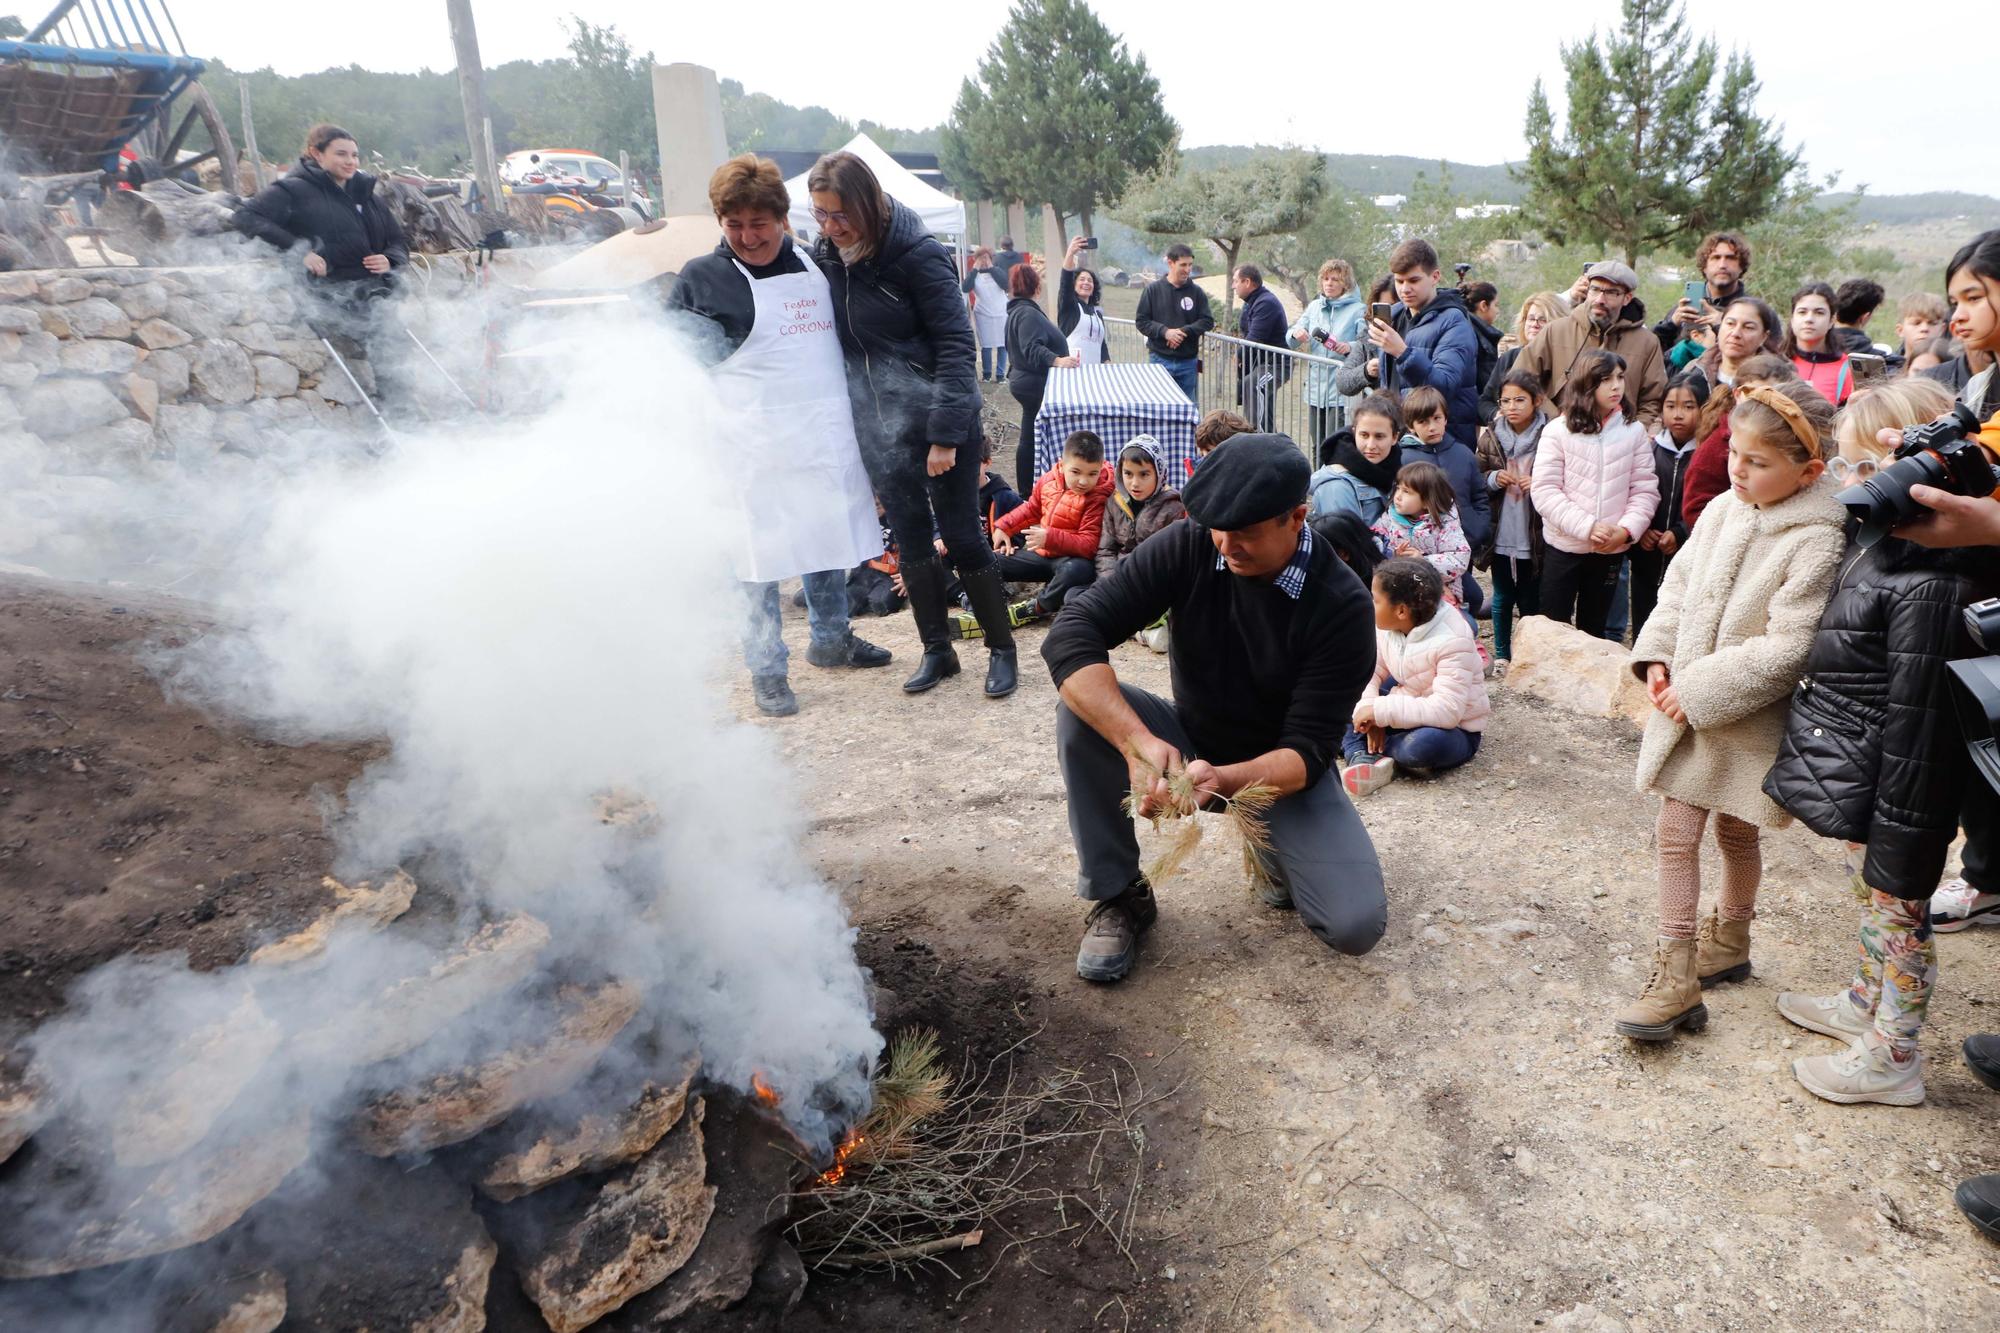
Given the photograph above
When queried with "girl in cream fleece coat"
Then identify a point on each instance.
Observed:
(1720, 657)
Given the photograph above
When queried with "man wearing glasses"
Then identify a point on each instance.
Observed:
(1608, 319)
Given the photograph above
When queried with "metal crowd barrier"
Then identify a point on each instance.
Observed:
(1277, 396)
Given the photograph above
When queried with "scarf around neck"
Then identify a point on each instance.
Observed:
(1382, 475)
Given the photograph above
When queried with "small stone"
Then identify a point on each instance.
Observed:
(18, 287)
(63, 291)
(169, 369)
(157, 333)
(18, 319)
(97, 318)
(195, 316)
(54, 322)
(144, 396)
(100, 356)
(275, 378)
(222, 371)
(1168, 1272)
(147, 300)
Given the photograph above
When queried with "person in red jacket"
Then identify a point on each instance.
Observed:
(1060, 526)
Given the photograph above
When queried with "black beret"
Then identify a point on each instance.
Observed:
(1246, 480)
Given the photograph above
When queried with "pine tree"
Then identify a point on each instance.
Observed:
(1060, 113)
(1650, 158)
(1275, 191)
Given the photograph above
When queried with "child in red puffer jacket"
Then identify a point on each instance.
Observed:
(1063, 522)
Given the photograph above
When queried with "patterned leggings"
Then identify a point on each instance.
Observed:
(1678, 837)
(1897, 968)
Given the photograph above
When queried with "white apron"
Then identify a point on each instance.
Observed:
(989, 309)
(1086, 340)
(805, 499)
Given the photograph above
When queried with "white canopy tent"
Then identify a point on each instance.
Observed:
(944, 215)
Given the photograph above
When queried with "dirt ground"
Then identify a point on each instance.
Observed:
(1445, 1133)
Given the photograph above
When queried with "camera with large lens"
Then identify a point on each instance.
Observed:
(1976, 690)
(1944, 453)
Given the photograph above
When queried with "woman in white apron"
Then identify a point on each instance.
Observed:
(1079, 312)
(803, 501)
(989, 315)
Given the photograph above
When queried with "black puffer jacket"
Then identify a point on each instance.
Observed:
(344, 225)
(912, 364)
(1872, 751)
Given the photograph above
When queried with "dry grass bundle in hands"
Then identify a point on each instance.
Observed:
(1245, 812)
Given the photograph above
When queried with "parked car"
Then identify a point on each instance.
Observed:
(566, 166)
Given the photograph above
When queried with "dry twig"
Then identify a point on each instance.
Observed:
(1245, 812)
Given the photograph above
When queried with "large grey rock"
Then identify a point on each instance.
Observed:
(222, 372)
(109, 450)
(169, 369)
(144, 396)
(275, 377)
(17, 373)
(18, 319)
(97, 318)
(337, 388)
(1561, 665)
(42, 351)
(190, 429)
(629, 1239)
(54, 321)
(100, 356)
(62, 291)
(599, 1125)
(305, 357)
(19, 287)
(57, 407)
(155, 334)
(196, 316)
(259, 339)
(147, 300)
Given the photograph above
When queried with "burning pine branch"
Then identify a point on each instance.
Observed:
(1245, 812)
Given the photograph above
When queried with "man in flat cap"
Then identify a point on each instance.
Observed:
(1608, 318)
(1273, 642)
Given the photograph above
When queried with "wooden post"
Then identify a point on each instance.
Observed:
(249, 140)
(472, 94)
(624, 179)
(1053, 244)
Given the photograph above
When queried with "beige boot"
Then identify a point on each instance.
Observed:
(1671, 1000)
(1721, 950)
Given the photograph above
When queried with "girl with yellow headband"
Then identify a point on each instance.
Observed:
(1720, 657)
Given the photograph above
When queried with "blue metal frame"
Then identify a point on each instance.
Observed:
(168, 77)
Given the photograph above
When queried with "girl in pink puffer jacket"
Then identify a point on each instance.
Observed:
(1596, 489)
(1426, 707)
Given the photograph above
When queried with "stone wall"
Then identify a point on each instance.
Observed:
(114, 366)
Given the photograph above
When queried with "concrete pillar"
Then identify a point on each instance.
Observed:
(1017, 225)
(687, 109)
(1052, 248)
(985, 215)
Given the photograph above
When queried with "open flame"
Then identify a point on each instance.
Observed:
(834, 1174)
(766, 1095)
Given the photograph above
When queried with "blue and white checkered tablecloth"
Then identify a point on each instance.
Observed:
(1117, 400)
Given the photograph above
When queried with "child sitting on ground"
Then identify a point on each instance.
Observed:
(1425, 708)
(1213, 429)
(1422, 522)
(1720, 657)
(1876, 684)
(1060, 526)
(1140, 508)
(1358, 466)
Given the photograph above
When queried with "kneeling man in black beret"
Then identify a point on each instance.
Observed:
(1273, 641)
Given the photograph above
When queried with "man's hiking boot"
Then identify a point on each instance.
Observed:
(774, 696)
(1834, 1015)
(1671, 1000)
(1982, 1057)
(1979, 1199)
(1721, 951)
(1111, 933)
(1864, 1072)
(854, 652)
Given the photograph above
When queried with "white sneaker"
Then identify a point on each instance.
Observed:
(1155, 637)
(1863, 1073)
(1958, 906)
(1835, 1015)
(1367, 777)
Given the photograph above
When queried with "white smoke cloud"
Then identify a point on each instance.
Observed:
(537, 614)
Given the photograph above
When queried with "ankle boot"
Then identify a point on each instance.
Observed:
(988, 594)
(1721, 950)
(1671, 1000)
(924, 581)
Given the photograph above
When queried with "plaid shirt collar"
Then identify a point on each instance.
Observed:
(1291, 579)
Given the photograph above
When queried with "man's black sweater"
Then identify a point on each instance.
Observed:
(1163, 306)
(1253, 670)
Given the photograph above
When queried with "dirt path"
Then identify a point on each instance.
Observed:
(1444, 1134)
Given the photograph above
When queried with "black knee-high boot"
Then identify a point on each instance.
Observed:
(924, 581)
(988, 595)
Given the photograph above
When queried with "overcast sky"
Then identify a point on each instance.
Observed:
(901, 65)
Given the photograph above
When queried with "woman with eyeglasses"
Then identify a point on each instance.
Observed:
(912, 373)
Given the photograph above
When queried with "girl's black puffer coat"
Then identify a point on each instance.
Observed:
(912, 364)
(343, 224)
(1872, 751)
